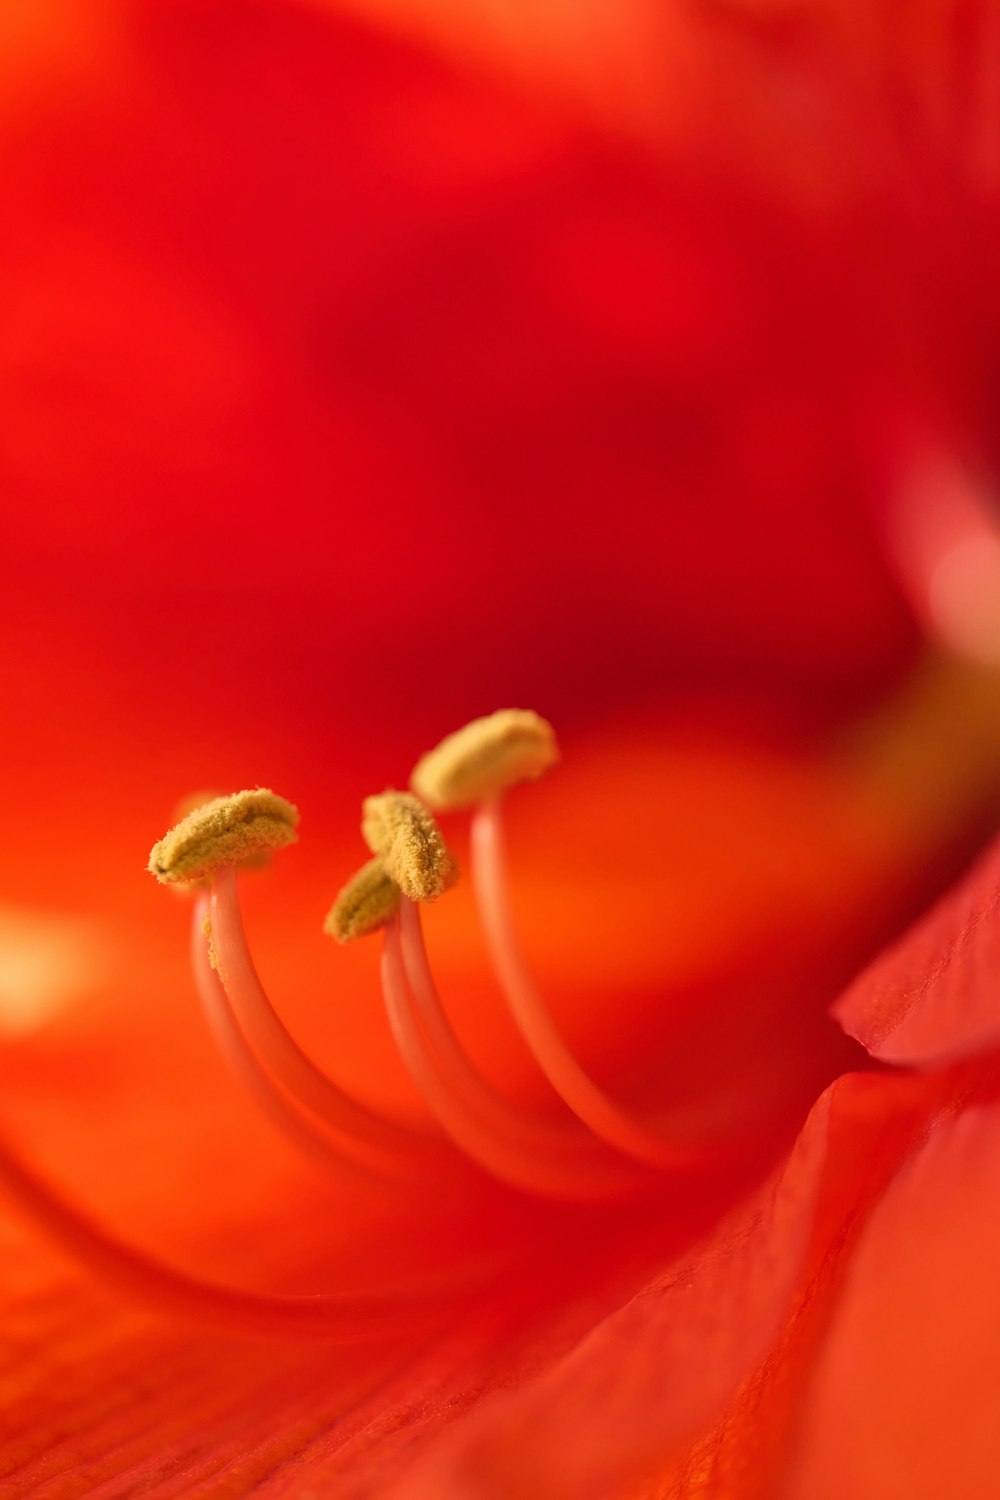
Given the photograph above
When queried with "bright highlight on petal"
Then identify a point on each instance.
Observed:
(946, 535)
(47, 961)
(964, 597)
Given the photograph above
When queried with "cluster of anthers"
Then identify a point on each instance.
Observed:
(605, 1151)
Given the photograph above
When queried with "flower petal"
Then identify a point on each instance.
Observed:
(629, 1398)
(932, 996)
(903, 1405)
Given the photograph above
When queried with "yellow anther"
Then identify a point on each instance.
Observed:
(188, 889)
(400, 830)
(192, 803)
(367, 902)
(225, 831)
(485, 758)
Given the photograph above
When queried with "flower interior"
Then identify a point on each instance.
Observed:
(602, 1152)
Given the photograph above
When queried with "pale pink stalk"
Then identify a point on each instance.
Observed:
(586, 1164)
(589, 1102)
(379, 1143)
(529, 1155)
(226, 1034)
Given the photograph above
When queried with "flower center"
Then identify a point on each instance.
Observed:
(603, 1153)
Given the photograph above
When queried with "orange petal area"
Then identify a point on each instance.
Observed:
(54, 45)
(903, 1401)
(623, 1410)
(96, 1392)
(642, 1343)
(927, 999)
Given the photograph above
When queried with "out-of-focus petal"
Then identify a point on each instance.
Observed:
(636, 65)
(903, 1402)
(932, 996)
(286, 340)
(608, 59)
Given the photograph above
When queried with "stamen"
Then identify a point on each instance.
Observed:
(366, 903)
(249, 823)
(375, 1141)
(534, 1155)
(225, 831)
(534, 1021)
(578, 1166)
(402, 833)
(485, 758)
(226, 1034)
(507, 1150)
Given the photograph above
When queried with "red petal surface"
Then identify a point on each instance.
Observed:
(740, 1315)
(931, 997)
(609, 1379)
(833, 1339)
(901, 1404)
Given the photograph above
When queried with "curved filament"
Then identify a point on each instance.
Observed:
(230, 1041)
(532, 1156)
(369, 1138)
(341, 1317)
(587, 1165)
(589, 1102)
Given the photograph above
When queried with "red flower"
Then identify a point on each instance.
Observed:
(357, 382)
